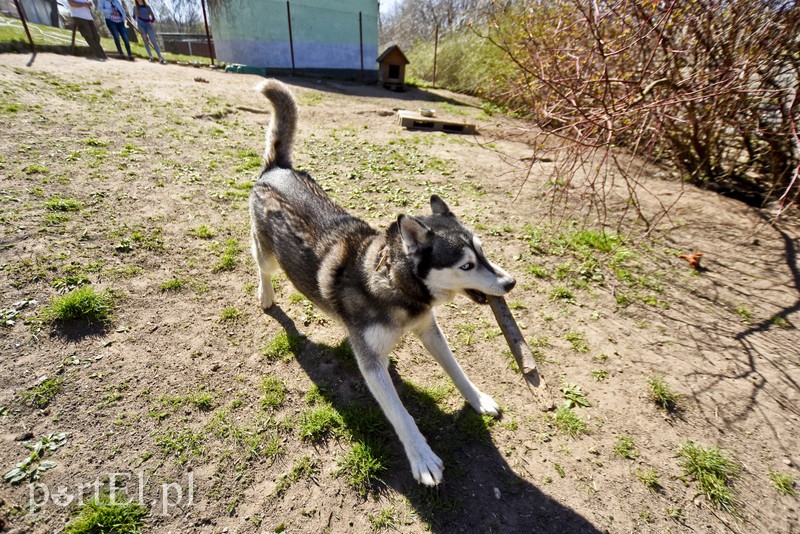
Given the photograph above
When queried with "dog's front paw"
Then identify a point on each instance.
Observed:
(485, 404)
(426, 467)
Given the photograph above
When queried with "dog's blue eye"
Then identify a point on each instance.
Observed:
(467, 266)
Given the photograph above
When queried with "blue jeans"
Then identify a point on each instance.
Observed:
(117, 29)
(148, 32)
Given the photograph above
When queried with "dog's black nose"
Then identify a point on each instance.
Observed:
(510, 285)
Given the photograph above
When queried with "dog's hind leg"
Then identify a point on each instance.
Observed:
(372, 347)
(266, 266)
(433, 340)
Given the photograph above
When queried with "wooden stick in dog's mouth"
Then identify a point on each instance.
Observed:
(522, 353)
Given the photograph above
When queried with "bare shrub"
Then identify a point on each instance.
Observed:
(712, 86)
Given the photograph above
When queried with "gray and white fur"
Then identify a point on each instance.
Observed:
(380, 285)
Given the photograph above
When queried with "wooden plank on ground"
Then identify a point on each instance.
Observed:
(414, 121)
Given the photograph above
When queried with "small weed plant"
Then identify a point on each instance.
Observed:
(649, 477)
(62, 204)
(274, 392)
(304, 468)
(578, 341)
(574, 396)
(362, 465)
(82, 304)
(625, 448)
(282, 346)
(230, 314)
(318, 423)
(102, 515)
(661, 393)
(568, 422)
(203, 232)
(229, 258)
(783, 483)
(42, 393)
(714, 472)
(176, 284)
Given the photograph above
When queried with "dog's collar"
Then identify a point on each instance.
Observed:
(383, 257)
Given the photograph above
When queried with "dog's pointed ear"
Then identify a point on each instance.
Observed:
(438, 207)
(415, 234)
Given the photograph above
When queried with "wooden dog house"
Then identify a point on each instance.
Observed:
(392, 68)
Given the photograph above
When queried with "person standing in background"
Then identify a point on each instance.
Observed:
(145, 18)
(114, 12)
(84, 22)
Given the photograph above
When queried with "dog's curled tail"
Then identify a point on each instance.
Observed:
(282, 125)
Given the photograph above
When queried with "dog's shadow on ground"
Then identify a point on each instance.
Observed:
(481, 492)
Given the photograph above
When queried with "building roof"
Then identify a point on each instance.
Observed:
(389, 51)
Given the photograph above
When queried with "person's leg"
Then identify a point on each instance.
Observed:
(123, 31)
(112, 27)
(85, 28)
(152, 36)
(145, 37)
(95, 44)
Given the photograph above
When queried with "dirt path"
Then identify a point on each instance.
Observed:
(189, 400)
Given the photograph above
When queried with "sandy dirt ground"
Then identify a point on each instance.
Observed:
(133, 178)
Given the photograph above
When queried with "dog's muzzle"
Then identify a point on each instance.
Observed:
(481, 298)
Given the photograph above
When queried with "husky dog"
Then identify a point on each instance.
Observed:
(380, 285)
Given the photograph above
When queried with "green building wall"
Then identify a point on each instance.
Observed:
(325, 35)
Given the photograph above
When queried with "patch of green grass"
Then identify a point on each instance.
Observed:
(676, 514)
(203, 232)
(56, 219)
(563, 294)
(203, 401)
(578, 341)
(230, 314)
(590, 239)
(41, 394)
(661, 393)
(274, 392)
(183, 444)
(251, 160)
(282, 345)
(559, 469)
(62, 204)
(229, 258)
(781, 322)
(92, 142)
(102, 515)
(568, 422)
(362, 465)
(537, 271)
(150, 239)
(35, 169)
(467, 332)
(304, 468)
(315, 396)
(626, 448)
(82, 304)
(649, 477)
(318, 423)
(176, 284)
(384, 519)
(783, 483)
(622, 299)
(714, 472)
